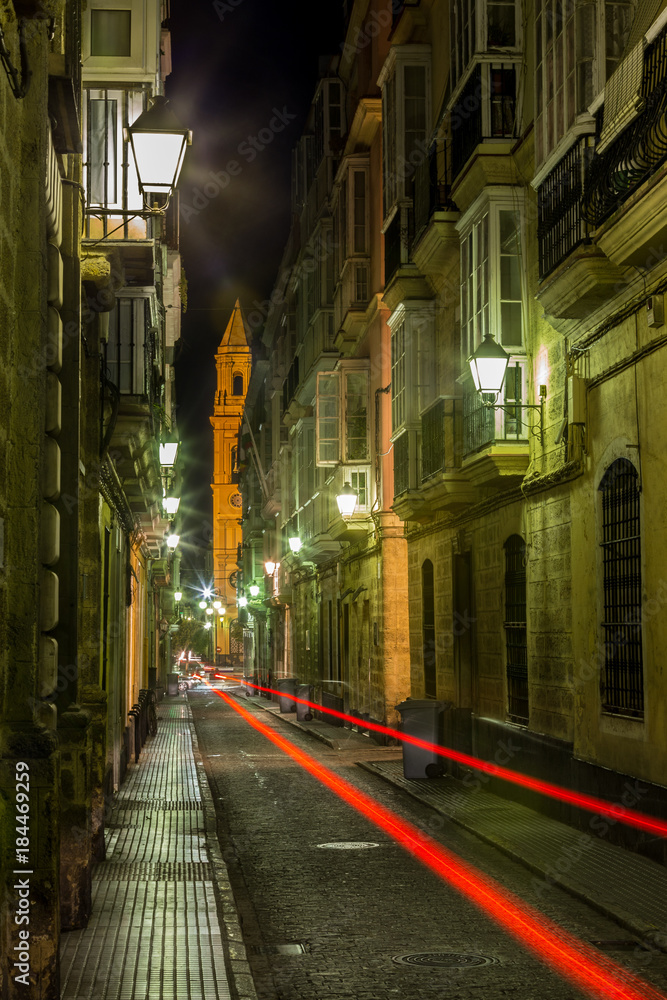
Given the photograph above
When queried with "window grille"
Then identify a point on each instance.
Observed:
(428, 629)
(401, 464)
(515, 629)
(622, 680)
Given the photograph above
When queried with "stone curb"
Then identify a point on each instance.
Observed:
(630, 922)
(236, 962)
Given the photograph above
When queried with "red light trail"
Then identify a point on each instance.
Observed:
(577, 962)
(590, 803)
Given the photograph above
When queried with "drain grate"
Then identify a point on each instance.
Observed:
(348, 845)
(444, 959)
(146, 805)
(155, 871)
(625, 944)
(278, 949)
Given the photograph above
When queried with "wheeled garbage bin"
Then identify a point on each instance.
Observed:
(287, 688)
(304, 713)
(172, 684)
(421, 718)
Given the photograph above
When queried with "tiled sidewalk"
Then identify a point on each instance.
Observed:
(155, 930)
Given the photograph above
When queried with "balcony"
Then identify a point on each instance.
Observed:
(436, 241)
(351, 300)
(443, 486)
(625, 196)
(495, 442)
(576, 277)
(485, 114)
(402, 278)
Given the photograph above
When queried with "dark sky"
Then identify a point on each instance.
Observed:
(235, 64)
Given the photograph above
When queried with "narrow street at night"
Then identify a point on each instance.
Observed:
(332, 907)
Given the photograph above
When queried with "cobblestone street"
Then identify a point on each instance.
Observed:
(323, 920)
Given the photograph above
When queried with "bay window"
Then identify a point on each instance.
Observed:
(342, 415)
(406, 116)
(578, 45)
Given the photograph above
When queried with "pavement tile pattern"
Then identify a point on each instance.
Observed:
(604, 876)
(155, 930)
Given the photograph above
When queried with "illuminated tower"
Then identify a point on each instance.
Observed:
(232, 362)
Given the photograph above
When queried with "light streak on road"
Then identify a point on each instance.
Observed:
(590, 803)
(580, 964)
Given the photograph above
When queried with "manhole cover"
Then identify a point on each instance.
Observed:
(444, 959)
(348, 845)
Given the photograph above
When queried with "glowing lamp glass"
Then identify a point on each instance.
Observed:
(488, 366)
(295, 544)
(172, 542)
(347, 501)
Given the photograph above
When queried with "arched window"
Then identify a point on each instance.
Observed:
(237, 385)
(516, 647)
(428, 629)
(622, 680)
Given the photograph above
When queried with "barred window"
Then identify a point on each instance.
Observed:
(516, 647)
(622, 680)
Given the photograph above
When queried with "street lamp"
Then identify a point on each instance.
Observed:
(254, 590)
(347, 501)
(172, 542)
(488, 365)
(294, 544)
(171, 505)
(178, 596)
(269, 567)
(217, 604)
(243, 602)
(168, 452)
(202, 604)
(158, 142)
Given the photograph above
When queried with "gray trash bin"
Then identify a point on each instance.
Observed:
(172, 683)
(303, 712)
(421, 718)
(287, 688)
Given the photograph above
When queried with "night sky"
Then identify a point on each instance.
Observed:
(244, 73)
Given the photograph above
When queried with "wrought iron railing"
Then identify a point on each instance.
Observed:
(402, 464)
(561, 225)
(638, 151)
(398, 241)
(482, 425)
(432, 186)
(440, 438)
(489, 92)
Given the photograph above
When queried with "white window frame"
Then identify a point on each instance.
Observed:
(143, 64)
(337, 411)
(414, 378)
(398, 170)
(475, 321)
(130, 200)
(570, 113)
(477, 20)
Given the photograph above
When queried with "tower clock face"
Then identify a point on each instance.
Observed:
(235, 500)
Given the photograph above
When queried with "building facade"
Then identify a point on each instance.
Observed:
(496, 177)
(89, 329)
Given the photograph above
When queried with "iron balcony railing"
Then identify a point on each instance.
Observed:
(483, 425)
(398, 241)
(402, 464)
(441, 438)
(561, 225)
(433, 186)
(639, 150)
(486, 109)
